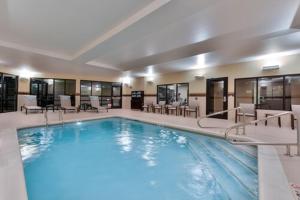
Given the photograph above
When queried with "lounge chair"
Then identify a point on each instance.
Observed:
(159, 107)
(147, 106)
(173, 107)
(249, 110)
(65, 103)
(95, 105)
(192, 108)
(30, 104)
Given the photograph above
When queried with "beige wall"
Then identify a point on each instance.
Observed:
(197, 88)
(289, 65)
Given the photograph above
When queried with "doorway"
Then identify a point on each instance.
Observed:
(217, 96)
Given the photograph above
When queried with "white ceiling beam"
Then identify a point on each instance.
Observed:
(86, 54)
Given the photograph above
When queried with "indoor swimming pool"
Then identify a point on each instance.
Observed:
(118, 158)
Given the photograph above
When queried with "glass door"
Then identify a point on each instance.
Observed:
(217, 96)
(9, 93)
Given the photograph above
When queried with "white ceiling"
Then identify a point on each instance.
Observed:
(109, 37)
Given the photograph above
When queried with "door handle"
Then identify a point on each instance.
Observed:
(224, 99)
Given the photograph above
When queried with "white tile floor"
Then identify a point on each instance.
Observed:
(270, 133)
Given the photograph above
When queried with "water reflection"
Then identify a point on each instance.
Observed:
(124, 138)
(149, 154)
(201, 183)
(32, 143)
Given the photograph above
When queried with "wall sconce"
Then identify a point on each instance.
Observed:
(199, 77)
(270, 67)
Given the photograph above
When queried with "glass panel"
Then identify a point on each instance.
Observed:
(59, 89)
(218, 95)
(292, 91)
(71, 90)
(9, 93)
(171, 93)
(106, 89)
(270, 91)
(85, 88)
(245, 91)
(105, 101)
(116, 102)
(161, 93)
(116, 91)
(1, 85)
(43, 89)
(96, 89)
(182, 93)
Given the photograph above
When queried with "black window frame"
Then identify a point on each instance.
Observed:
(166, 94)
(2, 74)
(257, 86)
(73, 98)
(102, 97)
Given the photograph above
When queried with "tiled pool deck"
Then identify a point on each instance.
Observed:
(10, 171)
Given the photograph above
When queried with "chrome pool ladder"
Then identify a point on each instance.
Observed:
(61, 116)
(46, 117)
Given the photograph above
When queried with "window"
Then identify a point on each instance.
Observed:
(173, 92)
(108, 93)
(8, 92)
(47, 90)
(245, 91)
(292, 91)
(272, 93)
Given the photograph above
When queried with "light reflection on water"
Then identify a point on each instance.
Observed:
(32, 144)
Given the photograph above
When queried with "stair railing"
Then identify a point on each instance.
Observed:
(61, 116)
(288, 145)
(200, 124)
(46, 117)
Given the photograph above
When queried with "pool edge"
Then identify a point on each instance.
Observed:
(267, 159)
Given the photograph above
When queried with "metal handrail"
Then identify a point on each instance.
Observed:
(46, 117)
(60, 116)
(218, 113)
(288, 145)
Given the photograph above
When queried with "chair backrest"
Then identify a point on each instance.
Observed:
(175, 103)
(95, 101)
(30, 100)
(162, 103)
(148, 102)
(65, 101)
(248, 108)
(193, 105)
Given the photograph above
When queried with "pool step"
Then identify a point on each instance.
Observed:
(240, 155)
(242, 172)
(228, 181)
(248, 149)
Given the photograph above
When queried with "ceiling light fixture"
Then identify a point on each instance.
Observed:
(26, 73)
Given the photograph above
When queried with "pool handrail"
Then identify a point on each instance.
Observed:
(288, 145)
(218, 113)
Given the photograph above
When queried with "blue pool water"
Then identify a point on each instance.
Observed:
(116, 159)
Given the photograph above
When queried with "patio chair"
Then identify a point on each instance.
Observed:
(65, 103)
(159, 107)
(192, 108)
(173, 107)
(147, 106)
(30, 104)
(248, 108)
(95, 105)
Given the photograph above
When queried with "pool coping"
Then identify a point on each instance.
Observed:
(273, 183)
